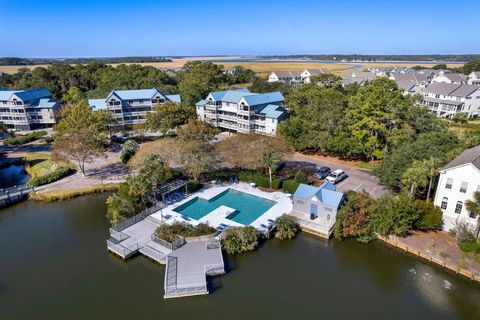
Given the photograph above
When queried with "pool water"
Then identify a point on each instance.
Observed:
(248, 207)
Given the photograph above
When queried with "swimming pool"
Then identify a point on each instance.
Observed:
(247, 207)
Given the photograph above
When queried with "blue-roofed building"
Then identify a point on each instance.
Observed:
(243, 111)
(316, 207)
(27, 109)
(130, 107)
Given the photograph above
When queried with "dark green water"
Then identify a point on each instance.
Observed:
(54, 265)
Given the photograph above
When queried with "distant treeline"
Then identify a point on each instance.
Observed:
(400, 57)
(13, 61)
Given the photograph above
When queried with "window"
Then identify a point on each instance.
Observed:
(458, 207)
(463, 187)
(444, 203)
(449, 183)
(471, 214)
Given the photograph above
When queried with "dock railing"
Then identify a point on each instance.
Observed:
(214, 269)
(121, 250)
(137, 218)
(153, 254)
(170, 246)
(118, 235)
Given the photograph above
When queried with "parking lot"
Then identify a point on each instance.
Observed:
(357, 179)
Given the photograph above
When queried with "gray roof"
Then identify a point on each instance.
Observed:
(287, 74)
(471, 155)
(412, 77)
(456, 77)
(406, 85)
(451, 89)
(317, 71)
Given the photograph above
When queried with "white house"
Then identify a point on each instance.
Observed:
(447, 99)
(306, 74)
(27, 109)
(130, 107)
(288, 77)
(450, 77)
(359, 78)
(243, 111)
(474, 78)
(457, 183)
(317, 206)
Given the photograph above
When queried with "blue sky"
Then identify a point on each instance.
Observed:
(125, 28)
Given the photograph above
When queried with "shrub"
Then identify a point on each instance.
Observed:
(48, 139)
(128, 151)
(257, 178)
(24, 139)
(193, 185)
(463, 233)
(290, 186)
(240, 239)
(172, 232)
(287, 227)
(300, 177)
(354, 219)
(276, 183)
(430, 216)
(470, 246)
(394, 214)
(51, 177)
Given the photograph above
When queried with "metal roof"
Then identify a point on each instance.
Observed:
(97, 104)
(273, 111)
(135, 94)
(252, 99)
(25, 95)
(174, 98)
(326, 194)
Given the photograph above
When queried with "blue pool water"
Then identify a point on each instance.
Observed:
(248, 207)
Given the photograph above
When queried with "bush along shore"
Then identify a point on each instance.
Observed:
(66, 194)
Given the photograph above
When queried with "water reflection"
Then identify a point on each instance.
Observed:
(12, 175)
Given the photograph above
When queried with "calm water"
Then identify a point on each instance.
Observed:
(248, 207)
(13, 175)
(54, 265)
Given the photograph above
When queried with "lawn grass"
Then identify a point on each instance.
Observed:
(66, 194)
(40, 163)
(366, 165)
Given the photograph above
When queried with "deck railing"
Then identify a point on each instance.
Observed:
(153, 253)
(137, 218)
(123, 251)
(170, 246)
(171, 287)
(118, 235)
(213, 243)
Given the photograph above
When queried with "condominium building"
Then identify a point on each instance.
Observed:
(27, 109)
(129, 107)
(243, 111)
(447, 99)
(450, 77)
(458, 182)
(288, 77)
(474, 78)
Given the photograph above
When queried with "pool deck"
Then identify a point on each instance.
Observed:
(188, 266)
(283, 204)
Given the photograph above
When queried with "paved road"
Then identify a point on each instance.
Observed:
(358, 179)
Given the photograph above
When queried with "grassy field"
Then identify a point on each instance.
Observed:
(461, 128)
(263, 68)
(66, 194)
(40, 163)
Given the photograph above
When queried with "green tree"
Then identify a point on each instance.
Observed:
(394, 214)
(166, 117)
(73, 95)
(240, 239)
(430, 216)
(473, 206)
(129, 149)
(286, 227)
(416, 176)
(327, 80)
(79, 135)
(441, 66)
(196, 130)
(354, 219)
(432, 165)
(270, 160)
(198, 80)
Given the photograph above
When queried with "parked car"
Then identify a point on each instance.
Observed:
(336, 176)
(322, 173)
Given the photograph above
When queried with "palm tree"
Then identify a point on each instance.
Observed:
(473, 206)
(432, 166)
(415, 176)
(287, 227)
(270, 159)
